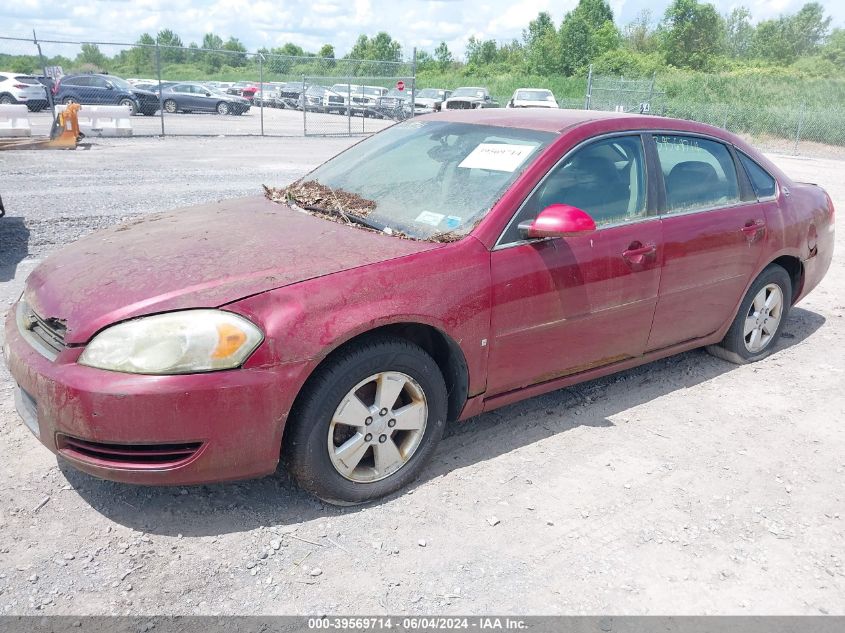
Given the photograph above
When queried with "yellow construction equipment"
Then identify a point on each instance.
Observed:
(64, 134)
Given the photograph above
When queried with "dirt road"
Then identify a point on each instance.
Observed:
(688, 486)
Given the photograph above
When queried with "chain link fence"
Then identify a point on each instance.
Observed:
(796, 128)
(192, 91)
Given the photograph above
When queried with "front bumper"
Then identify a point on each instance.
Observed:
(225, 425)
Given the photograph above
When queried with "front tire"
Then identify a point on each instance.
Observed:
(128, 103)
(170, 106)
(760, 319)
(368, 422)
(223, 108)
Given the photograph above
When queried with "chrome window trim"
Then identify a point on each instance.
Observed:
(499, 245)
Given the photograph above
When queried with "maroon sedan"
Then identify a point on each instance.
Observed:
(444, 267)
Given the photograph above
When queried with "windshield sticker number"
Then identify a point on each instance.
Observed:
(497, 157)
(429, 217)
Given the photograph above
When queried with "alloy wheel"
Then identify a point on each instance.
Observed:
(763, 318)
(377, 427)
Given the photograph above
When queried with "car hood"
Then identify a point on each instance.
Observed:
(204, 256)
(426, 101)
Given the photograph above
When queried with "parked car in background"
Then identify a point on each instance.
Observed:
(289, 94)
(23, 89)
(243, 89)
(496, 256)
(532, 98)
(153, 86)
(470, 98)
(360, 99)
(95, 89)
(430, 100)
(396, 104)
(196, 97)
(319, 99)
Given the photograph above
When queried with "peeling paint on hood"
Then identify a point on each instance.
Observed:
(204, 256)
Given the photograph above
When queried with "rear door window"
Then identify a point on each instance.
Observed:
(763, 183)
(698, 173)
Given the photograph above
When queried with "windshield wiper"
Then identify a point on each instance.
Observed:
(351, 217)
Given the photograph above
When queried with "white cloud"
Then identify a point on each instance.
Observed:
(311, 23)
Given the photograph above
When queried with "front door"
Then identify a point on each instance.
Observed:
(566, 305)
(713, 239)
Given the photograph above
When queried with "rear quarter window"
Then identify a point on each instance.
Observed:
(763, 183)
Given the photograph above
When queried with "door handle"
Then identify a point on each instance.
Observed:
(752, 229)
(637, 253)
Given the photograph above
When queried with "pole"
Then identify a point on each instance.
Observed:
(304, 104)
(798, 131)
(160, 96)
(261, 87)
(414, 83)
(48, 89)
(589, 98)
(349, 106)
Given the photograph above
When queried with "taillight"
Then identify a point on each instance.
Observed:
(20, 86)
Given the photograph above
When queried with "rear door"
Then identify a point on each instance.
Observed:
(99, 91)
(714, 234)
(563, 306)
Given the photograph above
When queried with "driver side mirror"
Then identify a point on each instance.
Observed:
(558, 220)
(109, 86)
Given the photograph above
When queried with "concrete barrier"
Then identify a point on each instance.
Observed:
(103, 120)
(14, 120)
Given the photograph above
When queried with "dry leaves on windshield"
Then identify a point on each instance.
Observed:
(314, 194)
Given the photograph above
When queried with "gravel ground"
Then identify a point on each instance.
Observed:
(688, 486)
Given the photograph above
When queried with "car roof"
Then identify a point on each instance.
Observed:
(559, 120)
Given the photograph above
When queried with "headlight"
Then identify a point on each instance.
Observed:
(174, 343)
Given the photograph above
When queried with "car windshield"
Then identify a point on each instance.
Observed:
(534, 95)
(431, 178)
(342, 88)
(117, 82)
(468, 92)
(430, 93)
(25, 79)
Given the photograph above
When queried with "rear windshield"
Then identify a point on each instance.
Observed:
(534, 95)
(26, 79)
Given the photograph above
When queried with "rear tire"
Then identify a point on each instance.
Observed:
(759, 320)
(394, 437)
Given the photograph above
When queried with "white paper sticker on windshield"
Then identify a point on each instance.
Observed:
(497, 156)
(429, 217)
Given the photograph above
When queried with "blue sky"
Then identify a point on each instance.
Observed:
(311, 23)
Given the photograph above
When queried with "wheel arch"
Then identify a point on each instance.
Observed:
(795, 269)
(445, 351)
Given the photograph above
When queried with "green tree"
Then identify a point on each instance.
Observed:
(692, 34)
(382, 47)
(171, 51)
(90, 55)
(208, 56)
(326, 51)
(586, 32)
(789, 37)
(425, 61)
(834, 50)
(639, 35)
(443, 56)
(238, 57)
(542, 46)
(739, 33)
(290, 49)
